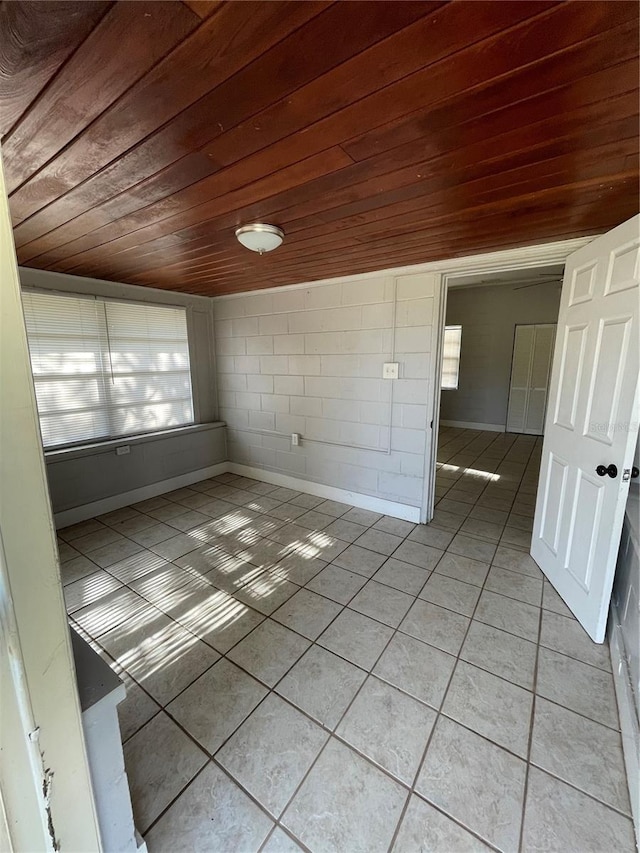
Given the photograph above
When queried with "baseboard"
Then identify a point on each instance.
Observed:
(628, 719)
(397, 510)
(90, 510)
(473, 425)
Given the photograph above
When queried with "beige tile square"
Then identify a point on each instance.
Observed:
(515, 585)
(337, 584)
(382, 603)
(566, 635)
(552, 601)
(475, 549)
(402, 576)
(156, 747)
(322, 684)
(585, 754)
(476, 782)
(436, 626)
(356, 638)
(345, 530)
(307, 613)
(214, 616)
(82, 528)
(158, 653)
(423, 556)
(115, 608)
(558, 817)
(427, 534)
(425, 828)
(463, 569)
(417, 668)
(112, 553)
(345, 804)
(481, 529)
(582, 688)
(361, 516)
(98, 538)
(359, 560)
(136, 709)
(389, 727)
(379, 541)
(516, 561)
(510, 615)
(78, 567)
(501, 653)
(269, 651)
(451, 593)
(491, 706)
(88, 589)
(266, 592)
(212, 814)
(260, 754)
(394, 525)
(213, 707)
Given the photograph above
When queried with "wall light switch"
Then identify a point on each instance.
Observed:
(295, 439)
(390, 370)
(123, 450)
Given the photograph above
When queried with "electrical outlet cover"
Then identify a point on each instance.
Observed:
(390, 370)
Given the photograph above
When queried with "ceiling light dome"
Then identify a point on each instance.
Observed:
(260, 237)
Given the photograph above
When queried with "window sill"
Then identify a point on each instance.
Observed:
(66, 453)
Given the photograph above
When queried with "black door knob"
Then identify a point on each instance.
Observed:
(603, 470)
(634, 472)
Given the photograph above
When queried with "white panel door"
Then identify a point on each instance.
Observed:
(591, 425)
(520, 370)
(530, 369)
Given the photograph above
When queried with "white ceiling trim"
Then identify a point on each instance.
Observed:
(526, 257)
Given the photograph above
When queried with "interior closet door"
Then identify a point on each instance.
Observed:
(530, 372)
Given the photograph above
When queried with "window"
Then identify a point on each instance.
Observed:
(451, 357)
(104, 369)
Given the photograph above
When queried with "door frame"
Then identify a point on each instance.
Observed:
(46, 793)
(511, 260)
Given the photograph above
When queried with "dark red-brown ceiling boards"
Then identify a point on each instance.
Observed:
(137, 136)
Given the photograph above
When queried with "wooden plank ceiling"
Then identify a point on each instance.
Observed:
(137, 136)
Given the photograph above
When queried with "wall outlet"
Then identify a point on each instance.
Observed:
(123, 450)
(295, 439)
(390, 370)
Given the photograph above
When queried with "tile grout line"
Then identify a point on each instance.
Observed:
(368, 673)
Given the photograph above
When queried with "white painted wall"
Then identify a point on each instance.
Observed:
(308, 359)
(488, 316)
(41, 738)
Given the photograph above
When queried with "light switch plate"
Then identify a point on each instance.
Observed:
(390, 370)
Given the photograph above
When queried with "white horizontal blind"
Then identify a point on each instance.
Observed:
(104, 369)
(451, 357)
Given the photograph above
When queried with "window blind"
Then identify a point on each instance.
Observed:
(104, 369)
(451, 357)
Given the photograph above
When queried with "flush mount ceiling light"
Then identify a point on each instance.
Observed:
(259, 237)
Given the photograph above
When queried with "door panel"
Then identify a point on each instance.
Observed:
(573, 350)
(608, 374)
(592, 421)
(530, 368)
(554, 501)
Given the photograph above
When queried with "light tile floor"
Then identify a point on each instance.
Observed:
(302, 674)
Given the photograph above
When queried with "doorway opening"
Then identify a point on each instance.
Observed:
(497, 350)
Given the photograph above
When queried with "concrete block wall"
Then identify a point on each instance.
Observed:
(309, 359)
